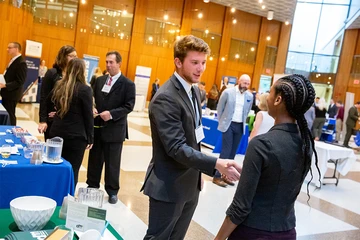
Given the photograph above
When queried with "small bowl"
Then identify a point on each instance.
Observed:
(31, 213)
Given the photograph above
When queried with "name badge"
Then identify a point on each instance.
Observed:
(106, 88)
(199, 133)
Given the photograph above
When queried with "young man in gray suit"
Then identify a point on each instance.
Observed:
(173, 179)
(233, 108)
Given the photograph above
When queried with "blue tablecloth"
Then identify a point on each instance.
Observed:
(213, 137)
(24, 179)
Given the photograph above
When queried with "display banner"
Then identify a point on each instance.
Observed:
(142, 80)
(91, 62)
(32, 57)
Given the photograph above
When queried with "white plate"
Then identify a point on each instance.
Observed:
(53, 162)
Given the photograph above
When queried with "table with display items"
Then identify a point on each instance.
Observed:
(7, 224)
(54, 181)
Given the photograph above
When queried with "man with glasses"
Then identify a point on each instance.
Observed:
(15, 75)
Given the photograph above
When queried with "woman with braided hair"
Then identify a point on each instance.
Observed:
(275, 166)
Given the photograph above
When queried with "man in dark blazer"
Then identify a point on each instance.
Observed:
(353, 116)
(15, 75)
(114, 99)
(173, 179)
(332, 111)
(155, 87)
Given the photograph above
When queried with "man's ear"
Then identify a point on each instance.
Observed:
(177, 62)
(278, 100)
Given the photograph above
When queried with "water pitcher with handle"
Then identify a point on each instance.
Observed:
(53, 149)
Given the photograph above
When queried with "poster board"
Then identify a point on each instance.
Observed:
(142, 80)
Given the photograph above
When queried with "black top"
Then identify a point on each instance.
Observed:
(320, 113)
(47, 85)
(78, 122)
(271, 179)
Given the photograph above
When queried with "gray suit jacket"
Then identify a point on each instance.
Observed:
(226, 108)
(174, 173)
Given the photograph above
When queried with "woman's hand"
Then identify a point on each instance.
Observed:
(42, 127)
(89, 146)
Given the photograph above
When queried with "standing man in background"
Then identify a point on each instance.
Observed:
(15, 75)
(173, 179)
(233, 108)
(353, 116)
(155, 87)
(332, 110)
(114, 99)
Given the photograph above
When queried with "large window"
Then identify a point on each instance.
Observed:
(242, 51)
(60, 13)
(212, 39)
(162, 34)
(111, 22)
(270, 57)
(317, 35)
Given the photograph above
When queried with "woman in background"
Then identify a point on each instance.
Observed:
(42, 69)
(213, 97)
(73, 120)
(263, 121)
(272, 176)
(97, 73)
(320, 118)
(47, 110)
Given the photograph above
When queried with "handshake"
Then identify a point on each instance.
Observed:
(229, 169)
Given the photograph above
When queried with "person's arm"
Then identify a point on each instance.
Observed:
(353, 114)
(221, 104)
(255, 159)
(46, 87)
(258, 121)
(20, 77)
(129, 103)
(87, 112)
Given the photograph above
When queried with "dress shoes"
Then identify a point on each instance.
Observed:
(113, 199)
(228, 182)
(219, 182)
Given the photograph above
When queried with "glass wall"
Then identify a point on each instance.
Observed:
(111, 22)
(242, 51)
(316, 36)
(60, 13)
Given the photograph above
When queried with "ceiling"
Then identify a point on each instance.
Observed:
(283, 9)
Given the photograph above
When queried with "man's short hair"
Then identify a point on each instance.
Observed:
(17, 45)
(357, 103)
(117, 56)
(189, 43)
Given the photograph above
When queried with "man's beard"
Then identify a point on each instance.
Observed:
(242, 89)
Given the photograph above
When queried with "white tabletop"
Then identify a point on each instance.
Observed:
(345, 156)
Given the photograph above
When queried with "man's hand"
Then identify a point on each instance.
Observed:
(42, 127)
(105, 115)
(89, 146)
(95, 112)
(229, 168)
(2, 85)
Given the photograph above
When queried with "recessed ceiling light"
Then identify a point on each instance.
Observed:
(263, 6)
(233, 10)
(287, 23)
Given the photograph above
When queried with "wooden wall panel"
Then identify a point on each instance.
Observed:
(16, 26)
(284, 40)
(247, 26)
(344, 68)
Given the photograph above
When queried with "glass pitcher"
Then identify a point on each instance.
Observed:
(53, 149)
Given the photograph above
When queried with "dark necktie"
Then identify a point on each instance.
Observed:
(193, 98)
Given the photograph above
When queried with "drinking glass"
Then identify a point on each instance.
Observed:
(28, 152)
(5, 151)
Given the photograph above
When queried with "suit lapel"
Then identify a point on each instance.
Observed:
(183, 94)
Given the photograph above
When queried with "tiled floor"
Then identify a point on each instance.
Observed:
(334, 212)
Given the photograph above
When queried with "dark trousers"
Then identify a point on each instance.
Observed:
(317, 126)
(230, 142)
(73, 152)
(169, 220)
(10, 106)
(110, 154)
(349, 130)
(242, 232)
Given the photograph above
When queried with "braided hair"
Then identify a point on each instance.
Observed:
(298, 94)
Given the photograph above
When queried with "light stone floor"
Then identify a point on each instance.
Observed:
(332, 213)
